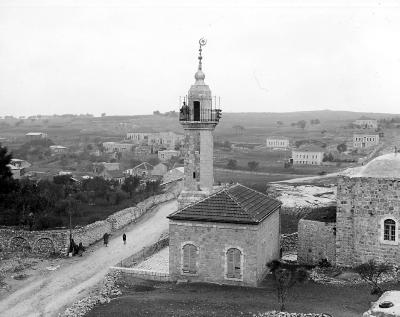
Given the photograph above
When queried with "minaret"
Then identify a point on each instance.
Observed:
(199, 117)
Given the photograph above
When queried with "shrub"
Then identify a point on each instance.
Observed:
(371, 272)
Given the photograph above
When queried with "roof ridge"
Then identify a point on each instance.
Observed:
(237, 202)
(198, 201)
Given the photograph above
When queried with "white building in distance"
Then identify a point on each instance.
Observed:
(111, 147)
(311, 155)
(366, 123)
(365, 140)
(167, 139)
(58, 149)
(36, 135)
(167, 155)
(277, 142)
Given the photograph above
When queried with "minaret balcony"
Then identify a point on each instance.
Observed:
(199, 116)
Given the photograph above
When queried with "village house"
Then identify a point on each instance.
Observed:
(110, 147)
(366, 123)
(366, 225)
(166, 155)
(143, 170)
(365, 140)
(20, 163)
(168, 140)
(58, 149)
(99, 167)
(277, 142)
(113, 175)
(159, 170)
(31, 136)
(310, 155)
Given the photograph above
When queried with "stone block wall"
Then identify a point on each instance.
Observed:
(38, 242)
(316, 241)
(362, 204)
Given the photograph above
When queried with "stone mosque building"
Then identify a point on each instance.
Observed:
(220, 234)
(365, 224)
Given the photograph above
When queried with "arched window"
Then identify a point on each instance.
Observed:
(234, 263)
(189, 259)
(389, 230)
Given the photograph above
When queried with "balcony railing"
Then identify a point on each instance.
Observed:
(199, 115)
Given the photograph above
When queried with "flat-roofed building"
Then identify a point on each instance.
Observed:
(366, 123)
(365, 140)
(277, 142)
(310, 155)
(167, 154)
(36, 135)
(58, 149)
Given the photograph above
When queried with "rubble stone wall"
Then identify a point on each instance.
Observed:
(289, 242)
(39, 242)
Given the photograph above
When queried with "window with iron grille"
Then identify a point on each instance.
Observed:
(234, 269)
(389, 233)
(189, 259)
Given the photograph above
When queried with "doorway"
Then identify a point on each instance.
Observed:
(196, 110)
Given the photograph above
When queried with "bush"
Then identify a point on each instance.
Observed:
(323, 263)
(371, 272)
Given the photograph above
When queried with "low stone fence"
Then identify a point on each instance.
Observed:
(38, 242)
(143, 274)
(125, 266)
(49, 241)
(289, 242)
(145, 252)
(286, 314)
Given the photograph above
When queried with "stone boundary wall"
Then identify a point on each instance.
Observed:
(38, 242)
(145, 252)
(286, 314)
(143, 274)
(125, 265)
(289, 242)
(316, 241)
(49, 241)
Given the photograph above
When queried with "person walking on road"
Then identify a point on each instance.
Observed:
(105, 238)
(124, 238)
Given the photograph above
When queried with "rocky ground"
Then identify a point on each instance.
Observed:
(101, 294)
(158, 262)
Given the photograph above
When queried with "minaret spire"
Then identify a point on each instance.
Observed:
(202, 42)
(199, 76)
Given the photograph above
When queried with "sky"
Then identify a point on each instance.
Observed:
(132, 57)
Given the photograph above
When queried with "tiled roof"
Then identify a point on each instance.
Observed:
(235, 204)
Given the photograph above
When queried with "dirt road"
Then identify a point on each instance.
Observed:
(49, 294)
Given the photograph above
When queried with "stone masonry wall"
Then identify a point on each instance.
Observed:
(316, 241)
(289, 242)
(362, 204)
(38, 242)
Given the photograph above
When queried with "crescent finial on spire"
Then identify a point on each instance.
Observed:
(202, 42)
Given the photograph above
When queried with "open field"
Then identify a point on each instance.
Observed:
(146, 298)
